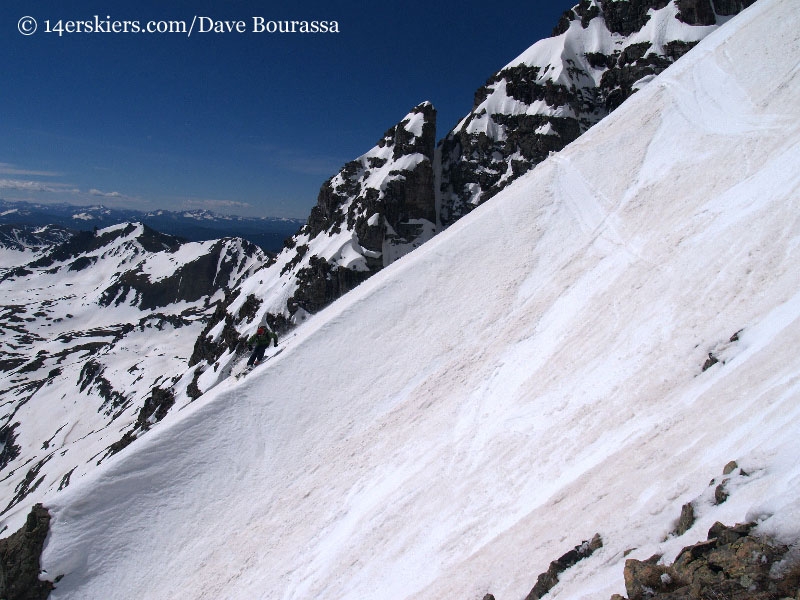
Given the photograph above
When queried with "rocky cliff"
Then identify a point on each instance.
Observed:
(376, 209)
(601, 52)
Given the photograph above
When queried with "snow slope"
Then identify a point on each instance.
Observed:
(377, 208)
(528, 378)
(88, 331)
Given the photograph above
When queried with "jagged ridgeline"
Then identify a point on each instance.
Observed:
(376, 209)
(395, 197)
(601, 52)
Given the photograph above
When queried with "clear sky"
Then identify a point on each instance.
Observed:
(245, 123)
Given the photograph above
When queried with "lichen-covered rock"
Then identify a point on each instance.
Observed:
(733, 563)
(686, 520)
(644, 578)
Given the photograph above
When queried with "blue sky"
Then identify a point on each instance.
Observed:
(240, 123)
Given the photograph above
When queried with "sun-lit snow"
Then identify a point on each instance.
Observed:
(10, 258)
(528, 378)
(415, 123)
(66, 331)
(361, 187)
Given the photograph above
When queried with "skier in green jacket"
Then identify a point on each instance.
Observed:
(260, 341)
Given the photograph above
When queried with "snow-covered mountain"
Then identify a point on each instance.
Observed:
(538, 373)
(194, 225)
(601, 52)
(378, 208)
(96, 331)
(25, 237)
(399, 194)
(22, 243)
(114, 328)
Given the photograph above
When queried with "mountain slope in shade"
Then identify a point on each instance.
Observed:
(530, 377)
(601, 53)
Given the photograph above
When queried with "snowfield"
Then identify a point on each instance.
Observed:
(528, 378)
(82, 354)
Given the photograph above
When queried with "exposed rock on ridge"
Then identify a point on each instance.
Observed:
(385, 198)
(601, 53)
(387, 220)
(376, 209)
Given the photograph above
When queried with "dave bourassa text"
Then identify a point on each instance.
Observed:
(262, 25)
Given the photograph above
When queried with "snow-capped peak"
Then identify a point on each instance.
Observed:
(601, 53)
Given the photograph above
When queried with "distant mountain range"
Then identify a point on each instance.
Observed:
(193, 225)
(28, 237)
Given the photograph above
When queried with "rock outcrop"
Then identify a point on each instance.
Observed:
(704, 12)
(376, 209)
(734, 563)
(380, 206)
(19, 559)
(601, 53)
(547, 580)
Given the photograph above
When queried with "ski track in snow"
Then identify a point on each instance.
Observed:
(524, 380)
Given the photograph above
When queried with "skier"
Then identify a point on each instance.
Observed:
(261, 341)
